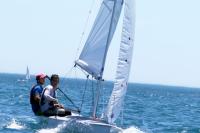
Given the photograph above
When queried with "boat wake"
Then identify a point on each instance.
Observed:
(15, 125)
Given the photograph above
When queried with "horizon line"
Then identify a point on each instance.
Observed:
(130, 82)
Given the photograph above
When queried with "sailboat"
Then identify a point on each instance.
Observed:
(92, 61)
(27, 76)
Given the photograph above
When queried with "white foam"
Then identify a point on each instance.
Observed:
(59, 128)
(132, 130)
(72, 125)
(14, 125)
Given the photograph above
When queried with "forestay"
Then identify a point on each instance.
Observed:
(93, 55)
(124, 63)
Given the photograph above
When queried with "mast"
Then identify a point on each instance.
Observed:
(97, 99)
(104, 59)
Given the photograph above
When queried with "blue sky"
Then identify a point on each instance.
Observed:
(45, 35)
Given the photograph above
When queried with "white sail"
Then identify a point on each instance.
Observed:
(92, 58)
(124, 63)
(27, 74)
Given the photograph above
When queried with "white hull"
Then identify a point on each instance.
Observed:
(80, 124)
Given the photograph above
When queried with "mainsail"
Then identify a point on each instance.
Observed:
(124, 63)
(92, 58)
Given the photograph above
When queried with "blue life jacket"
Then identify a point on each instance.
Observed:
(37, 89)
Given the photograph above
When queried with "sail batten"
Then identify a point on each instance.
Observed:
(124, 63)
(92, 57)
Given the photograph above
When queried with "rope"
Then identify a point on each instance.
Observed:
(69, 100)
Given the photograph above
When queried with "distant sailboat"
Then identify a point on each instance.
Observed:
(92, 60)
(27, 76)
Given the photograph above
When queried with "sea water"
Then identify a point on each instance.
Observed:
(147, 108)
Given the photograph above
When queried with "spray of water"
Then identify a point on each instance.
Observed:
(15, 125)
(132, 130)
(58, 129)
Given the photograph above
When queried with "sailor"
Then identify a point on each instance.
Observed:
(49, 103)
(36, 93)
